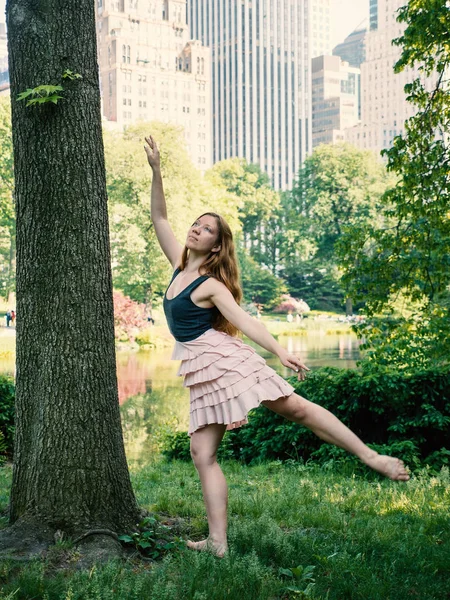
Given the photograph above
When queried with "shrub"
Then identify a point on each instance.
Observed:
(399, 414)
(7, 398)
(291, 305)
(176, 446)
(153, 337)
(129, 317)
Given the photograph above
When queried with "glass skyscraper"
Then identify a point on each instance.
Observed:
(261, 78)
(373, 14)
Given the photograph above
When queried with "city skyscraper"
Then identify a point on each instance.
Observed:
(353, 48)
(373, 11)
(384, 108)
(151, 69)
(335, 99)
(261, 78)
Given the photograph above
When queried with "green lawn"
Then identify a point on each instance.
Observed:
(353, 538)
(7, 340)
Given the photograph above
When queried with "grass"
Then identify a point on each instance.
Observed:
(279, 327)
(295, 532)
(7, 340)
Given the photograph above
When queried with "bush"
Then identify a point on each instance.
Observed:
(7, 398)
(153, 337)
(129, 317)
(176, 446)
(403, 415)
(291, 305)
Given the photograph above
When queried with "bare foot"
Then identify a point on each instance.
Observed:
(208, 545)
(390, 467)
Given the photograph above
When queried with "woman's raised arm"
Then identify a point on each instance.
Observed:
(166, 238)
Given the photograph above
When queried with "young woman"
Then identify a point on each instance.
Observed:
(225, 376)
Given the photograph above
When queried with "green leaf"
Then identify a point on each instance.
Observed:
(286, 572)
(25, 94)
(126, 538)
(48, 89)
(54, 98)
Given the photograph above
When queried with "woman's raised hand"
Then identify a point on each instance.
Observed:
(152, 152)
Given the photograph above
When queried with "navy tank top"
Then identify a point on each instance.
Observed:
(186, 320)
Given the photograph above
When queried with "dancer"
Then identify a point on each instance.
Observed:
(225, 376)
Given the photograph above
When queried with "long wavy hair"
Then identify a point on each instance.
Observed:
(223, 266)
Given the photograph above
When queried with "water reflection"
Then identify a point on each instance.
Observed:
(317, 349)
(152, 400)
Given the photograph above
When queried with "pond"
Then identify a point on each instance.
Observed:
(153, 398)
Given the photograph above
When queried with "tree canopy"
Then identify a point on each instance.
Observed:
(338, 189)
(408, 253)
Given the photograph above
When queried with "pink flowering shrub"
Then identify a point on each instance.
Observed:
(292, 305)
(129, 316)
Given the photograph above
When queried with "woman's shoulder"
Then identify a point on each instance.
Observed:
(214, 285)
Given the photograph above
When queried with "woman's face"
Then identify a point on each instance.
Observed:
(203, 235)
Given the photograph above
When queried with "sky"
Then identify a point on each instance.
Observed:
(346, 15)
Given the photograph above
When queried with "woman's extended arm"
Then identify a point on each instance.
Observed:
(166, 238)
(253, 329)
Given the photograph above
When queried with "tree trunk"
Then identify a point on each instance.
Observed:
(70, 470)
(149, 304)
(349, 307)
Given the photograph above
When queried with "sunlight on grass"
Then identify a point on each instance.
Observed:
(356, 538)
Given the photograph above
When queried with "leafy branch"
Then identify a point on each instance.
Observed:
(43, 94)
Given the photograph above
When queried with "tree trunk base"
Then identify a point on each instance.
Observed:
(28, 540)
(97, 549)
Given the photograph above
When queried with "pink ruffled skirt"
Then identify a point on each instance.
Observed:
(226, 379)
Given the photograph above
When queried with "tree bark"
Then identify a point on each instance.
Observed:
(349, 307)
(70, 470)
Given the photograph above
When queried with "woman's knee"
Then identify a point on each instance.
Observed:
(201, 456)
(294, 408)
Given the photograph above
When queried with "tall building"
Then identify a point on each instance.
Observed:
(320, 27)
(384, 108)
(151, 69)
(373, 11)
(261, 75)
(353, 48)
(335, 99)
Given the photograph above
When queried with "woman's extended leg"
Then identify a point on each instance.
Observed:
(204, 445)
(328, 427)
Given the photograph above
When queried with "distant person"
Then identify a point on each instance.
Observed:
(8, 318)
(289, 318)
(13, 316)
(226, 377)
